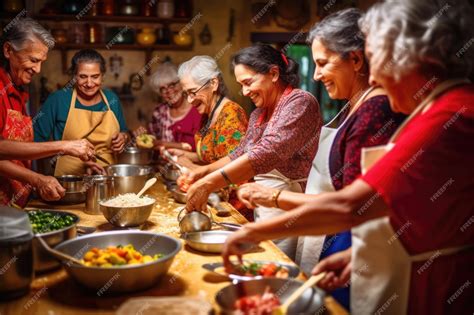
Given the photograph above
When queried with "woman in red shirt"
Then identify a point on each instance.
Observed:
(412, 213)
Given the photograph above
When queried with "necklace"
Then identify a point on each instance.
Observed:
(205, 129)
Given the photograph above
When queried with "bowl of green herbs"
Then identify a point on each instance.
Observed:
(54, 227)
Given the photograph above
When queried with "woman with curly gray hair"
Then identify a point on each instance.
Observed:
(411, 212)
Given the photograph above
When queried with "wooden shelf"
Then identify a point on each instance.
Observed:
(121, 47)
(109, 18)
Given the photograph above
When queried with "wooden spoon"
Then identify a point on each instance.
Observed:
(283, 309)
(148, 184)
(57, 253)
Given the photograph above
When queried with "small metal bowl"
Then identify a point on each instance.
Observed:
(75, 192)
(124, 278)
(43, 261)
(178, 195)
(209, 241)
(310, 302)
(127, 216)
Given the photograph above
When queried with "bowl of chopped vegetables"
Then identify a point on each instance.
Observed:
(54, 227)
(263, 296)
(120, 261)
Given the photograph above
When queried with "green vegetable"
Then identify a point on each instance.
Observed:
(42, 221)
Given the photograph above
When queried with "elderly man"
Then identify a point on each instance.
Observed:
(25, 47)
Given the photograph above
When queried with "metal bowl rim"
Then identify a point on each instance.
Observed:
(159, 260)
(122, 207)
(76, 220)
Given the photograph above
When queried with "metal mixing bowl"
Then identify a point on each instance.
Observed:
(125, 278)
(75, 192)
(169, 172)
(178, 195)
(207, 241)
(135, 156)
(43, 261)
(126, 216)
(129, 178)
(310, 302)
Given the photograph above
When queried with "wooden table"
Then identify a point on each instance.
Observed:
(55, 293)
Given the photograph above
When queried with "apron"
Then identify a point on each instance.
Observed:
(383, 270)
(277, 180)
(319, 180)
(18, 127)
(97, 127)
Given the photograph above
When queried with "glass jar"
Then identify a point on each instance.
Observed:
(165, 9)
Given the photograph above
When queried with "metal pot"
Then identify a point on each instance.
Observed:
(194, 221)
(129, 178)
(98, 187)
(75, 192)
(124, 278)
(169, 172)
(135, 156)
(43, 261)
(16, 253)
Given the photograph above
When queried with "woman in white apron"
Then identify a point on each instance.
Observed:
(84, 111)
(282, 135)
(419, 259)
(337, 162)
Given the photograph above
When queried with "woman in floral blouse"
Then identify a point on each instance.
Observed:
(223, 122)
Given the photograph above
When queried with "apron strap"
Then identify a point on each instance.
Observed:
(283, 179)
(440, 252)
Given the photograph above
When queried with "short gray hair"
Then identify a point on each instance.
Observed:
(202, 69)
(24, 30)
(165, 73)
(340, 32)
(429, 35)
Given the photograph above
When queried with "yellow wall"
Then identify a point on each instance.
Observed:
(216, 14)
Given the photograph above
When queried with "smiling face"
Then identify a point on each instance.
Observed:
(259, 87)
(338, 75)
(200, 95)
(25, 63)
(88, 79)
(172, 93)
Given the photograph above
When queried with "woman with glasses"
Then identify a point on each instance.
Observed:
(282, 139)
(85, 111)
(175, 121)
(224, 122)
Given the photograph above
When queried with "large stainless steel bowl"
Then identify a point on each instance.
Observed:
(178, 195)
(125, 278)
(309, 303)
(129, 178)
(126, 216)
(135, 156)
(169, 172)
(75, 192)
(43, 261)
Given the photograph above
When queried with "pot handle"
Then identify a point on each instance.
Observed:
(179, 214)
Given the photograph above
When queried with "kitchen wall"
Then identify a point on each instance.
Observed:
(216, 14)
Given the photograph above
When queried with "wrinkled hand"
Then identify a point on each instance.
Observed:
(253, 195)
(337, 268)
(94, 168)
(196, 197)
(82, 149)
(194, 174)
(118, 142)
(234, 246)
(173, 151)
(48, 188)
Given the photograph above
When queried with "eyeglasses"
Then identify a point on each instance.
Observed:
(165, 88)
(193, 94)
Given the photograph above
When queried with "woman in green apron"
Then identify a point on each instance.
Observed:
(85, 111)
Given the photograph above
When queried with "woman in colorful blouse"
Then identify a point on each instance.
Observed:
(174, 122)
(224, 122)
(25, 46)
(411, 213)
(282, 138)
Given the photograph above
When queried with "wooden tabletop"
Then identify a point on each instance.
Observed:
(55, 293)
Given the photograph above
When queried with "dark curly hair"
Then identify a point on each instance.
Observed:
(261, 57)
